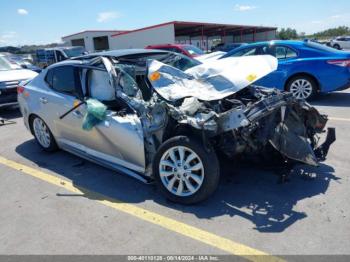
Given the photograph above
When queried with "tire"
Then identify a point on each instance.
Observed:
(336, 46)
(302, 87)
(43, 135)
(197, 184)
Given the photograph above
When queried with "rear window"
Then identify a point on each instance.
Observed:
(320, 47)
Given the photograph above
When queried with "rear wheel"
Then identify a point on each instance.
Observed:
(43, 134)
(185, 171)
(302, 87)
(336, 46)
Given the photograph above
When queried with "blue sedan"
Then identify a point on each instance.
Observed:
(305, 68)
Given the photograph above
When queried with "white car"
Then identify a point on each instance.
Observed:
(342, 42)
(10, 76)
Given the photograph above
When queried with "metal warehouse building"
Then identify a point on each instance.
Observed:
(202, 35)
(92, 40)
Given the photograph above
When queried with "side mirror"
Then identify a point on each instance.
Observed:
(24, 66)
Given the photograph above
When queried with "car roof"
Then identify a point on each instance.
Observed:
(279, 42)
(113, 53)
(66, 62)
(169, 45)
(121, 52)
(125, 52)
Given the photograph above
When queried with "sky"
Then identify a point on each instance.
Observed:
(40, 22)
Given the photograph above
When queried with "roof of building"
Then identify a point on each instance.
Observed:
(197, 28)
(94, 31)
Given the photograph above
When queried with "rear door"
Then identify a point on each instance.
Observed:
(66, 91)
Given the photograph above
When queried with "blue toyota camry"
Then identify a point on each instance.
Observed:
(305, 68)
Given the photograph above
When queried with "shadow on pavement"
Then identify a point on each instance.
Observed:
(250, 193)
(10, 113)
(337, 99)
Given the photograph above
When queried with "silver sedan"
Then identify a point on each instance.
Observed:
(124, 112)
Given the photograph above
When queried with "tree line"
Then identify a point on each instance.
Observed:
(289, 33)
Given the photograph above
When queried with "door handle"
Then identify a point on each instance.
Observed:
(43, 100)
(78, 114)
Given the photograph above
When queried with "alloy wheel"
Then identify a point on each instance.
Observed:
(41, 132)
(181, 171)
(301, 89)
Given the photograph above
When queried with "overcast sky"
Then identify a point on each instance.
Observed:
(38, 21)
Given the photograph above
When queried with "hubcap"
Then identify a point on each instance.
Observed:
(41, 132)
(181, 171)
(301, 89)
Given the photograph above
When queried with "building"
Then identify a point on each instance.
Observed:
(202, 35)
(92, 40)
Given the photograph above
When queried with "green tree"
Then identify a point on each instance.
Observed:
(287, 34)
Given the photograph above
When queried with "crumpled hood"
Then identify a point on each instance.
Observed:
(212, 80)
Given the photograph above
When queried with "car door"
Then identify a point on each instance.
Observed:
(66, 91)
(118, 140)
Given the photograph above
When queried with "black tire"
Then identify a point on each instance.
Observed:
(52, 142)
(336, 46)
(313, 83)
(210, 165)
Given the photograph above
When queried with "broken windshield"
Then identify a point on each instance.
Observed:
(175, 60)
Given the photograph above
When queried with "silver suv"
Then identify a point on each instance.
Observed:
(342, 42)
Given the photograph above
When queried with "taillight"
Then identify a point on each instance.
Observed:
(20, 89)
(342, 63)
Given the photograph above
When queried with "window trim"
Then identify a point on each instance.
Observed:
(78, 93)
(286, 46)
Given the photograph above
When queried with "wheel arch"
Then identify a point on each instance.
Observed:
(30, 122)
(318, 85)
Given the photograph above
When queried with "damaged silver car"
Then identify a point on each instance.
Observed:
(159, 116)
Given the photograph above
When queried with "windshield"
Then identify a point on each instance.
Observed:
(193, 50)
(176, 60)
(73, 52)
(6, 65)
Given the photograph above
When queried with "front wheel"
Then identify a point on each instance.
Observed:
(302, 87)
(185, 171)
(336, 46)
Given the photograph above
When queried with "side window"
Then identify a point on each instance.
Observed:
(64, 80)
(283, 52)
(291, 53)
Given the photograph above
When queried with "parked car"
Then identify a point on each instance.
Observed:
(10, 76)
(226, 47)
(49, 56)
(161, 116)
(187, 50)
(304, 68)
(342, 42)
(16, 59)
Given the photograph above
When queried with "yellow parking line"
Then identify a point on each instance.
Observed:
(200, 235)
(339, 119)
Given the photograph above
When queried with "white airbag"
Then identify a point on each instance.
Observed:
(100, 86)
